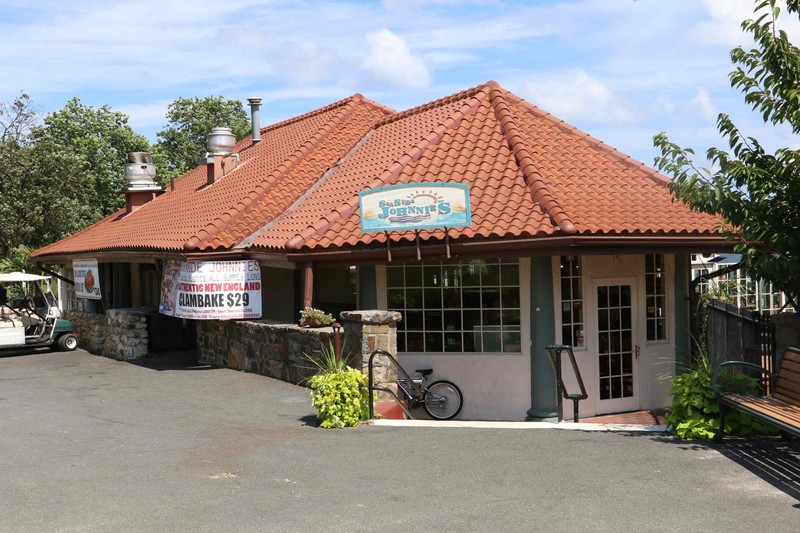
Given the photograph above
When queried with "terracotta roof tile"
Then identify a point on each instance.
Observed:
(529, 173)
(220, 215)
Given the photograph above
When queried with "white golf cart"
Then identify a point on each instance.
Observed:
(29, 314)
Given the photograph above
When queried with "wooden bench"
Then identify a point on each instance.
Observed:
(780, 409)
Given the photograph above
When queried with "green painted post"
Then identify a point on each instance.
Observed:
(544, 399)
(683, 333)
(367, 288)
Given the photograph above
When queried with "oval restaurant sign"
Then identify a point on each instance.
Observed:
(415, 206)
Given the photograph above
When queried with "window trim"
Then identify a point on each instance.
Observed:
(558, 300)
(524, 264)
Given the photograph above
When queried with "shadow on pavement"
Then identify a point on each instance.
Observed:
(772, 459)
(775, 461)
(172, 361)
(310, 420)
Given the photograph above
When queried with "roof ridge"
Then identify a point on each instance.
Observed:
(253, 236)
(536, 184)
(653, 174)
(430, 105)
(262, 188)
(393, 171)
(352, 98)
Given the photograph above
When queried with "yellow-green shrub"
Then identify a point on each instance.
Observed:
(341, 397)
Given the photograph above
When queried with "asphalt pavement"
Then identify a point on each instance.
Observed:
(88, 444)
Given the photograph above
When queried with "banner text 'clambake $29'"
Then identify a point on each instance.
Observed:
(211, 290)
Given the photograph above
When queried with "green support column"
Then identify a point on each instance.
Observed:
(367, 288)
(544, 399)
(683, 334)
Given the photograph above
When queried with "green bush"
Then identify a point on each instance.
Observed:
(695, 411)
(341, 397)
(340, 393)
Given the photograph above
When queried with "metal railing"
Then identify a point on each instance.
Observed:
(554, 355)
(373, 388)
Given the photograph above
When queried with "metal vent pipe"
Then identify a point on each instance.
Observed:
(255, 117)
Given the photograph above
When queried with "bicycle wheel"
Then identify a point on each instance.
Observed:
(443, 400)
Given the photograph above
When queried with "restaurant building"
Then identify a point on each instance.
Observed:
(566, 240)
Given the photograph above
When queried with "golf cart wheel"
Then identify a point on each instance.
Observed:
(67, 342)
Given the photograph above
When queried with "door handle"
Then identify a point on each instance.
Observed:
(636, 351)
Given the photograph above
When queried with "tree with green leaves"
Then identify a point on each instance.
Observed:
(755, 192)
(100, 139)
(182, 144)
(42, 193)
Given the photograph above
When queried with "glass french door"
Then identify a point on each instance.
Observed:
(617, 346)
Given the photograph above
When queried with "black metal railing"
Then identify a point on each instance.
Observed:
(393, 394)
(554, 355)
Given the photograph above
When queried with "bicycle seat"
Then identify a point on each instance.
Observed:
(424, 371)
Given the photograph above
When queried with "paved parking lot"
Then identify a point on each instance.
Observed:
(88, 444)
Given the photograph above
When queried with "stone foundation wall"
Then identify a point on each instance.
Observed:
(274, 350)
(126, 334)
(280, 350)
(119, 334)
(90, 328)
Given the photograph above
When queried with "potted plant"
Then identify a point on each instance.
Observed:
(315, 318)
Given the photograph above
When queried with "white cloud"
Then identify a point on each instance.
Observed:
(703, 104)
(662, 106)
(146, 115)
(390, 60)
(578, 97)
(726, 16)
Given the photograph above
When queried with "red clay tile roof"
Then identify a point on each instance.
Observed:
(272, 175)
(530, 175)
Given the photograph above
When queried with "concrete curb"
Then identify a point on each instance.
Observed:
(488, 424)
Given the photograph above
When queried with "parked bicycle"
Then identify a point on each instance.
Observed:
(441, 399)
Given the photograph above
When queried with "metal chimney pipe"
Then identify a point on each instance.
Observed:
(255, 116)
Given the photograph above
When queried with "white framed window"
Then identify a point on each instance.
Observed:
(456, 306)
(572, 316)
(656, 293)
(703, 286)
(768, 298)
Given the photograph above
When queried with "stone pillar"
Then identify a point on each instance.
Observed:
(90, 328)
(126, 337)
(367, 331)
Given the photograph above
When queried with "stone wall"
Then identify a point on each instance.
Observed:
(90, 328)
(274, 350)
(119, 334)
(126, 334)
(281, 350)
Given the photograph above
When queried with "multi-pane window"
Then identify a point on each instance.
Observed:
(702, 287)
(747, 293)
(458, 306)
(768, 298)
(656, 289)
(572, 321)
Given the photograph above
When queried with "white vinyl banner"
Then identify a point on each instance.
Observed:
(211, 290)
(87, 279)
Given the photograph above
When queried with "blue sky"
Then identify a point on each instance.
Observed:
(621, 70)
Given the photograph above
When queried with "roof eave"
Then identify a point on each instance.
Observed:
(532, 246)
